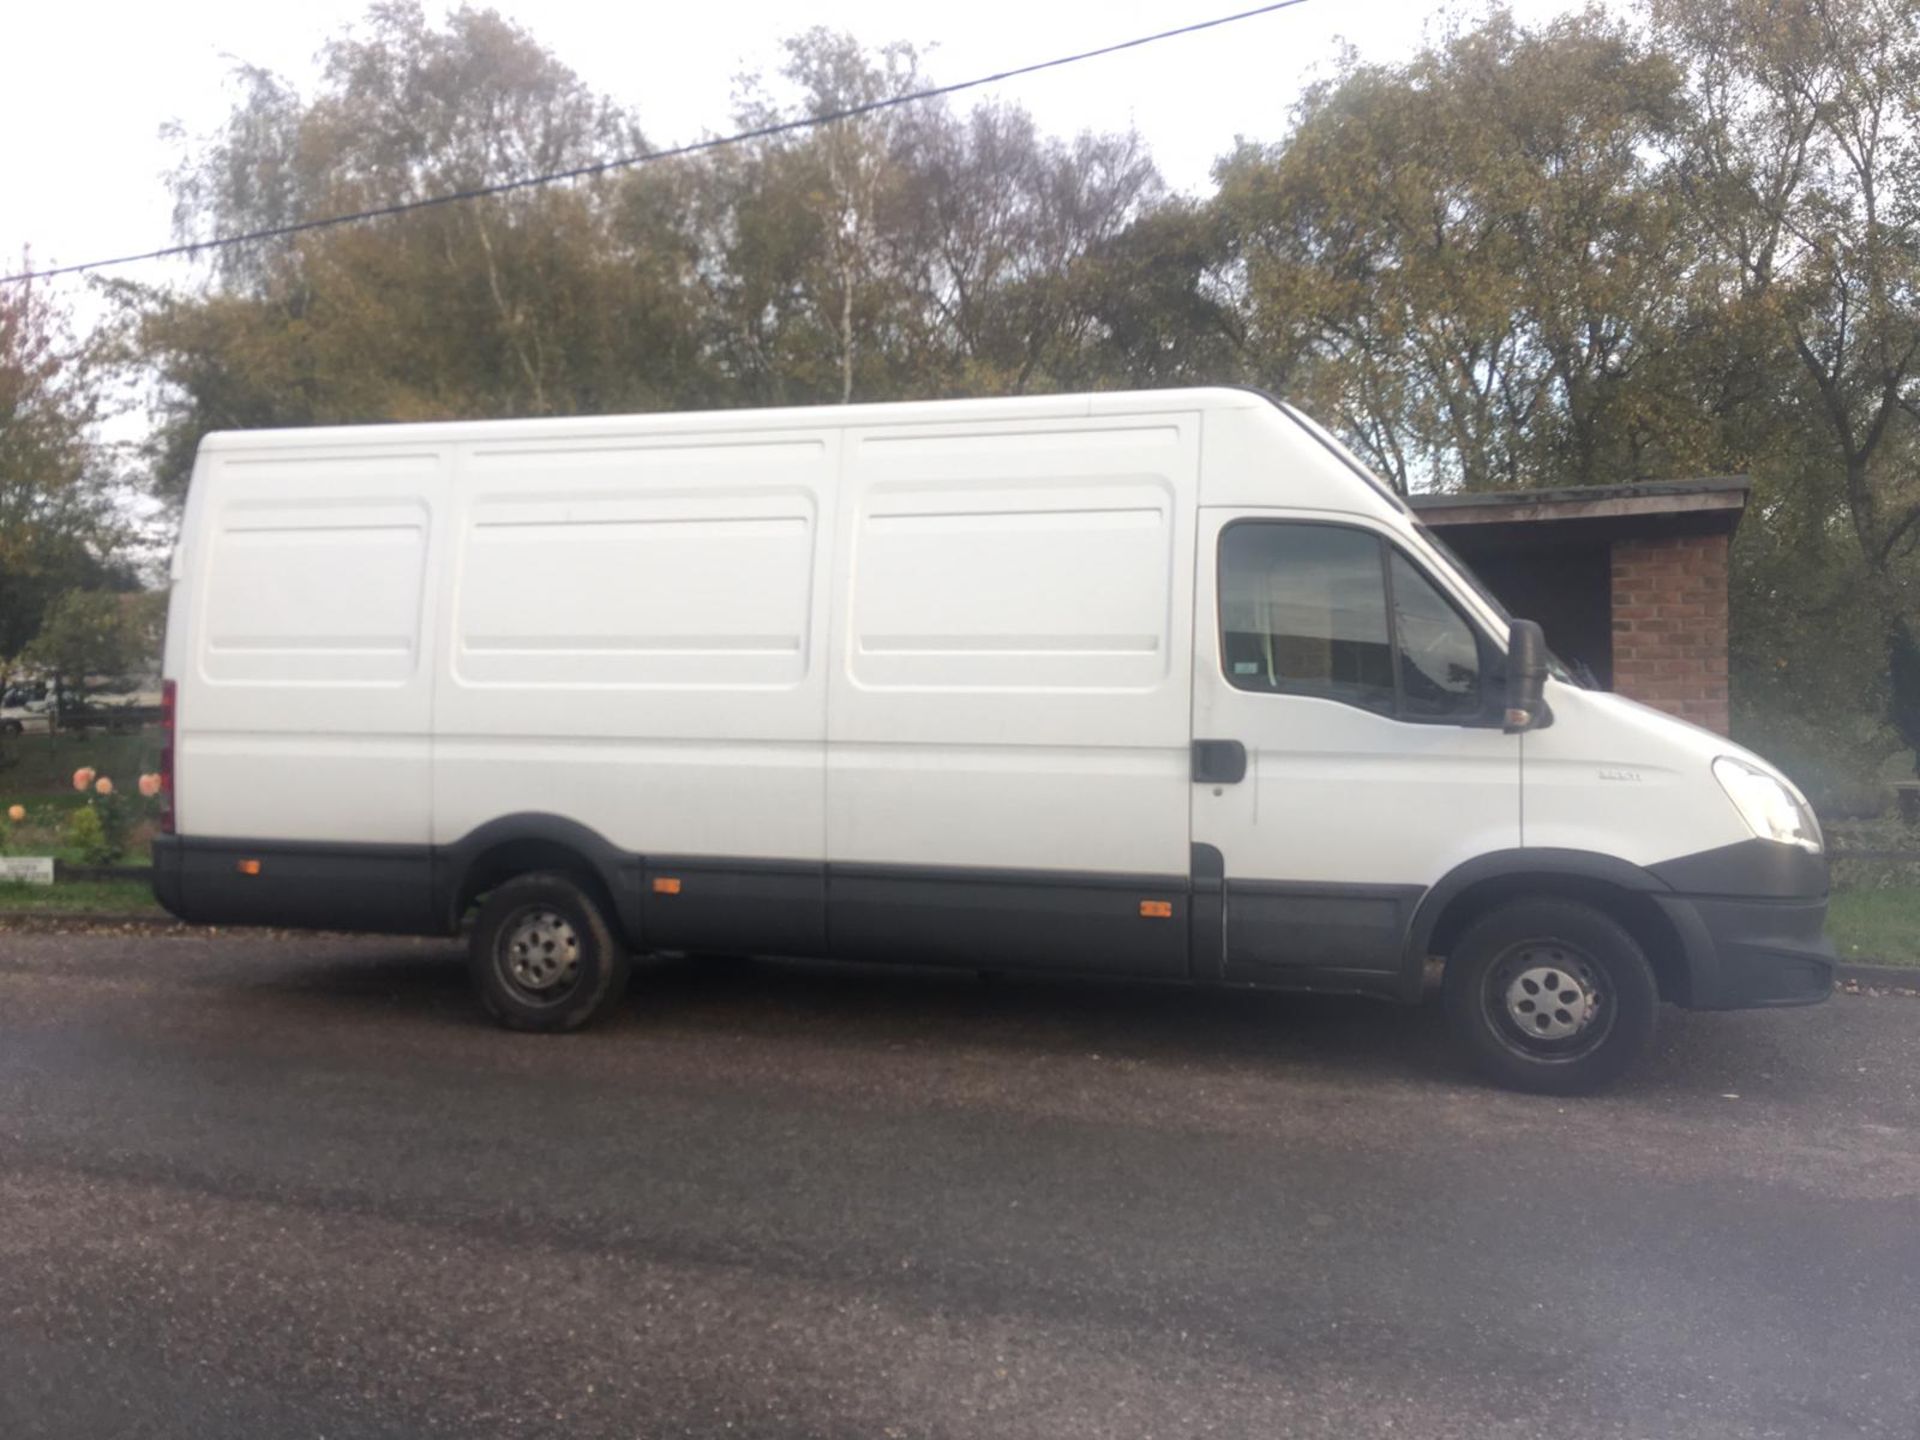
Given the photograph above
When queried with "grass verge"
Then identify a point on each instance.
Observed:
(105, 897)
(1876, 927)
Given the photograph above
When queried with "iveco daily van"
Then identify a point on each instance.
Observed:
(1162, 685)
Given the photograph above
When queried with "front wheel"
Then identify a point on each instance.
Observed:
(1550, 995)
(543, 955)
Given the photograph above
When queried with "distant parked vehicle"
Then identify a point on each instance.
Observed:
(116, 703)
(26, 709)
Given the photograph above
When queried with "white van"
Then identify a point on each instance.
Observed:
(1162, 685)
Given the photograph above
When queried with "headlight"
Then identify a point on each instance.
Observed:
(1771, 809)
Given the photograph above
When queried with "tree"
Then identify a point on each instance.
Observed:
(522, 304)
(1470, 263)
(1163, 313)
(92, 634)
(909, 252)
(803, 299)
(853, 168)
(1004, 234)
(1803, 160)
(58, 526)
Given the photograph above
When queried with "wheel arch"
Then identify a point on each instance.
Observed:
(524, 843)
(1629, 894)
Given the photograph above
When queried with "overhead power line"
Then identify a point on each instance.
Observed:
(601, 167)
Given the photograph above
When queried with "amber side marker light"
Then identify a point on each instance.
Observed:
(665, 885)
(1156, 909)
(248, 867)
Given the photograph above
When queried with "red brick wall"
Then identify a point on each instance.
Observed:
(1670, 625)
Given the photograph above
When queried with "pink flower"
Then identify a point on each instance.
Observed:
(83, 777)
(149, 785)
(103, 786)
(16, 813)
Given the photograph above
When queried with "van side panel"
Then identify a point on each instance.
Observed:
(1010, 692)
(634, 639)
(306, 683)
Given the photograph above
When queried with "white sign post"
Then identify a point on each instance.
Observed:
(27, 869)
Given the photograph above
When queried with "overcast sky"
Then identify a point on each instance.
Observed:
(87, 86)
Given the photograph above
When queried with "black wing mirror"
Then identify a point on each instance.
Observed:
(1526, 677)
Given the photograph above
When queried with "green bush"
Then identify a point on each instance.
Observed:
(88, 834)
(118, 812)
(1847, 839)
(1851, 799)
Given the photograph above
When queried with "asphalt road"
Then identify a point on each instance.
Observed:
(262, 1188)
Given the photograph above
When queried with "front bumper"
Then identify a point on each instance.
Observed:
(1750, 918)
(1744, 953)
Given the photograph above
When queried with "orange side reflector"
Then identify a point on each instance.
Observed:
(248, 867)
(666, 885)
(1156, 909)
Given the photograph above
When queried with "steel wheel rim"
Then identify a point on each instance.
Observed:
(538, 954)
(1549, 1001)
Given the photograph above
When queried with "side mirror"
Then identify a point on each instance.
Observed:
(1526, 676)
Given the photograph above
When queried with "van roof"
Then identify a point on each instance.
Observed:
(798, 417)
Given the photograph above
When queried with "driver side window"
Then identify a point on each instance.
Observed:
(1338, 613)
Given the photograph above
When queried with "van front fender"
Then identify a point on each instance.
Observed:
(1546, 869)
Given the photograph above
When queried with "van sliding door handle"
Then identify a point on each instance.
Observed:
(1219, 762)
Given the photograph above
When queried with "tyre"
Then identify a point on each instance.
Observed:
(1551, 996)
(11, 727)
(544, 956)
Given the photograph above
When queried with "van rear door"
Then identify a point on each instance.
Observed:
(299, 638)
(1347, 747)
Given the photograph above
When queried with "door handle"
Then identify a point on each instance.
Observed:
(1219, 762)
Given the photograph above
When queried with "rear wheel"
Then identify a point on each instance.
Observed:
(1550, 995)
(543, 955)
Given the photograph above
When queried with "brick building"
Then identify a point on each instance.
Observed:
(1629, 581)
